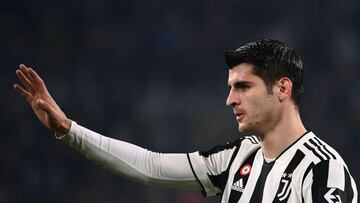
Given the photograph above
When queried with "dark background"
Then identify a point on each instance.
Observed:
(152, 73)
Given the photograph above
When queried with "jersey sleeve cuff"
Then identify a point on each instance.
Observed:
(73, 127)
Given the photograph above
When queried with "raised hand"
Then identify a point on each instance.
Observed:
(43, 105)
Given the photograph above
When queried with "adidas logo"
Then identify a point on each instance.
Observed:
(238, 185)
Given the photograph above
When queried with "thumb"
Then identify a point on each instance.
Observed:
(45, 106)
(56, 120)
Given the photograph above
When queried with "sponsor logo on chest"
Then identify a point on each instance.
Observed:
(239, 183)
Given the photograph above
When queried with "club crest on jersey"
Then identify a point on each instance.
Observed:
(245, 170)
(284, 188)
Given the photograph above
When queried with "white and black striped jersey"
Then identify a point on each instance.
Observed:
(307, 171)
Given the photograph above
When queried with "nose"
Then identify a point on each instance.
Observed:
(232, 100)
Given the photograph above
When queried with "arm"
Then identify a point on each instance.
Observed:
(124, 159)
(329, 181)
(132, 162)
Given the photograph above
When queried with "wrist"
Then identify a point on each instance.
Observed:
(64, 127)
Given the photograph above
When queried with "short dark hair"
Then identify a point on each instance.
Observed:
(272, 60)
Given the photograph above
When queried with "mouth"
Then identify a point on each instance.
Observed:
(239, 116)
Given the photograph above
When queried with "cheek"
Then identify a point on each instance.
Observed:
(262, 108)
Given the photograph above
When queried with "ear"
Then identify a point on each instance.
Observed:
(285, 87)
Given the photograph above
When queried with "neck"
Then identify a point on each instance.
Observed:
(286, 131)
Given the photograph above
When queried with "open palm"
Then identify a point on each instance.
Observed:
(43, 105)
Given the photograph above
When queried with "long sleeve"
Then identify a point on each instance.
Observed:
(329, 181)
(132, 162)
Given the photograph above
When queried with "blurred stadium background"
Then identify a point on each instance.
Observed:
(152, 73)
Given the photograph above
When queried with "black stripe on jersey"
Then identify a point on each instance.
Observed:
(284, 189)
(236, 192)
(192, 169)
(221, 179)
(313, 151)
(348, 188)
(309, 168)
(319, 148)
(320, 177)
(292, 144)
(257, 194)
(322, 144)
(223, 147)
(254, 139)
(320, 190)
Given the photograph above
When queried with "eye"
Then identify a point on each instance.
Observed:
(242, 86)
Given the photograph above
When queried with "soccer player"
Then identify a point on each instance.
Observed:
(280, 161)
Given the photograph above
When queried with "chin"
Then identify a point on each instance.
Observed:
(242, 128)
(245, 129)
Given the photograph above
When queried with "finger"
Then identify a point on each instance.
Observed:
(24, 70)
(22, 66)
(27, 95)
(24, 80)
(36, 79)
(39, 85)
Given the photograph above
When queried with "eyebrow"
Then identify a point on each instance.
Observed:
(241, 84)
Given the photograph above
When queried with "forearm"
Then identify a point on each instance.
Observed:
(131, 161)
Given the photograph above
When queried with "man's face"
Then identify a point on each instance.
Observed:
(255, 108)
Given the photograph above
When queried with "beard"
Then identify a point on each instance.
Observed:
(247, 127)
(259, 122)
